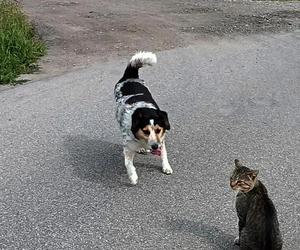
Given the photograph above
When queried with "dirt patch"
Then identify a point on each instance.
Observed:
(79, 33)
(196, 10)
(249, 24)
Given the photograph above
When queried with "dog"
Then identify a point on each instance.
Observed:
(143, 125)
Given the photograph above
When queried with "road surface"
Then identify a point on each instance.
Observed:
(63, 184)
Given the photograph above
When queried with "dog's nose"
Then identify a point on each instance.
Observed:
(154, 146)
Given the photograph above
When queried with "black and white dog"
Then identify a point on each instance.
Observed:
(142, 123)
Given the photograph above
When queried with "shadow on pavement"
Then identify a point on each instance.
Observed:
(210, 233)
(101, 162)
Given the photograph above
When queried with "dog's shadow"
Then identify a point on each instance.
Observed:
(218, 239)
(100, 161)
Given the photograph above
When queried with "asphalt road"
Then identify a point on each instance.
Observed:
(62, 181)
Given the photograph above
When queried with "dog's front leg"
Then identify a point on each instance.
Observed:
(166, 168)
(129, 156)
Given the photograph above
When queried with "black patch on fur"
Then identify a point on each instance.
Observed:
(141, 92)
(130, 72)
(163, 117)
(141, 98)
(133, 88)
(142, 116)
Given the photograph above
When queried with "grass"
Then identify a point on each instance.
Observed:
(19, 47)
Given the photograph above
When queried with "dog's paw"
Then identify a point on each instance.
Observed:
(133, 178)
(143, 151)
(237, 241)
(166, 168)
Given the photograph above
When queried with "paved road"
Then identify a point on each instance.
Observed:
(63, 184)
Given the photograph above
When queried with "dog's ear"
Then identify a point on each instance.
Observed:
(136, 119)
(163, 116)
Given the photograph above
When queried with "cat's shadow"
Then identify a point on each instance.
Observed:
(100, 161)
(217, 238)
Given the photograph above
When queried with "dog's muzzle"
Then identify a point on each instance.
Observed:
(155, 149)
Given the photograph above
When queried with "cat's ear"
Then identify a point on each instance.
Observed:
(253, 174)
(237, 163)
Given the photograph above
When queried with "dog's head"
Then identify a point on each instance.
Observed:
(149, 126)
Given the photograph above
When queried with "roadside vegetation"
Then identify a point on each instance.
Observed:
(19, 46)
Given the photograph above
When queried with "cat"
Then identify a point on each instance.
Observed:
(258, 223)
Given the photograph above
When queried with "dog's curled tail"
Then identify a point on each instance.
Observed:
(137, 61)
(143, 58)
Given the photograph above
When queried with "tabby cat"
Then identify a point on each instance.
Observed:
(258, 224)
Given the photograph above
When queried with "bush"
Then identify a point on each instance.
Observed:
(19, 47)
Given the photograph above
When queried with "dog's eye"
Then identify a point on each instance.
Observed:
(157, 131)
(146, 132)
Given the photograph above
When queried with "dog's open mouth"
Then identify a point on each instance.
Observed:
(156, 152)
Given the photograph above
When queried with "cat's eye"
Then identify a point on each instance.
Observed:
(146, 132)
(157, 131)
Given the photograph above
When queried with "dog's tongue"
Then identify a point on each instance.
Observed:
(156, 152)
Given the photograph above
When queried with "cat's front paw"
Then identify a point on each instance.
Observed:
(237, 241)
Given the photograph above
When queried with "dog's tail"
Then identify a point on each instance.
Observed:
(137, 61)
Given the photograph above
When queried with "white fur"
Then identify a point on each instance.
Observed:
(143, 58)
(129, 155)
(166, 168)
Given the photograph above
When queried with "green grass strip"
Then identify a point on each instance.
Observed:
(19, 47)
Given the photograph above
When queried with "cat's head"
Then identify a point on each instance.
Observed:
(243, 179)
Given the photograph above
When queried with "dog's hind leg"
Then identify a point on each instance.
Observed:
(129, 156)
(166, 168)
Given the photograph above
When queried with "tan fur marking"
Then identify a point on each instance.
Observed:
(141, 136)
(159, 136)
(152, 135)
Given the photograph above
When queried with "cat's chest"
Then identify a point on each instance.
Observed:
(242, 204)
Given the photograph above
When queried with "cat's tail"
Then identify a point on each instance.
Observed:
(137, 61)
